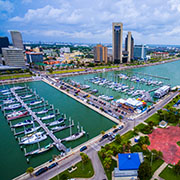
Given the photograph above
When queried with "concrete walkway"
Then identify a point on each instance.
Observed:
(158, 171)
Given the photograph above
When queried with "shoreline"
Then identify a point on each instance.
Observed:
(93, 71)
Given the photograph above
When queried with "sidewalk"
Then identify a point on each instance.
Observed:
(158, 171)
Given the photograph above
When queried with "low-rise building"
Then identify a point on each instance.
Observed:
(160, 55)
(128, 165)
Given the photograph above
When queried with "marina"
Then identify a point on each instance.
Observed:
(39, 152)
(64, 107)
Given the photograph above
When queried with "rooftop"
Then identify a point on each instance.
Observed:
(130, 161)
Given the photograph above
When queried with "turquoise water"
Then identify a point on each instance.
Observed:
(169, 70)
(14, 163)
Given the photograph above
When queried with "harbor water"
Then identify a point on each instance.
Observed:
(13, 161)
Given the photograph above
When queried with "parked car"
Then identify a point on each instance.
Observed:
(116, 130)
(42, 170)
(120, 127)
(83, 148)
(53, 165)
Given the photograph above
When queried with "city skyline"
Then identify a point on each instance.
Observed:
(90, 22)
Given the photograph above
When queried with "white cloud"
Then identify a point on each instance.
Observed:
(49, 15)
(92, 19)
(6, 6)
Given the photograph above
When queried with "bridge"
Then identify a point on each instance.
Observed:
(57, 142)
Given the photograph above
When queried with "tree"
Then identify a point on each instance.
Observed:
(84, 158)
(64, 177)
(177, 168)
(107, 162)
(102, 132)
(145, 171)
(114, 126)
(107, 147)
(118, 139)
(30, 170)
(109, 153)
(102, 153)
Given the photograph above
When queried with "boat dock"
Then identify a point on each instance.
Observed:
(57, 142)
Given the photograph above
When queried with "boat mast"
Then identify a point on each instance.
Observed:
(39, 146)
(70, 126)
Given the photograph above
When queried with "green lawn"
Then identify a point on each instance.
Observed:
(82, 171)
(68, 71)
(14, 76)
(108, 172)
(140, 127)
(168, 174)
(130, 134)
(154, 118)
(156, 164)
(178, 143)
(107, 67)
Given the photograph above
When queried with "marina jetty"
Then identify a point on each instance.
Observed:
(57, 142)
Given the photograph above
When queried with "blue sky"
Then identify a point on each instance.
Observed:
(151, 22)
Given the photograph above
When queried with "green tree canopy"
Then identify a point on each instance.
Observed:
(145, 171)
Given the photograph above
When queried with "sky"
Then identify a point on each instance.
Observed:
(90, 21)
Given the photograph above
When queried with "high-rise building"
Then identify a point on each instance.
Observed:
(13, 57)
(100, 53)
(34, 57)
(140, 52)
(17, 39)
(129, 46)
(4, 42)
(117, 39)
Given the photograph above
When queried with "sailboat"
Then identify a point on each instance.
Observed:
(39, 150)
(75, 136)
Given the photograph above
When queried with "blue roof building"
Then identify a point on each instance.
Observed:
(128, 165)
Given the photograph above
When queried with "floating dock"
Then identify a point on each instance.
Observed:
(57, 142)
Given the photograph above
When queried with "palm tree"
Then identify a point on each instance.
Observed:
(30, 170)
(102, 132)
(114, 126)
(84, 157)
(107, 162)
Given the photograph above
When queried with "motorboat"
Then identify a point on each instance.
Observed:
(8, 101)
(34, 103)
(35, 138)
(48, 117)
(12, 106)
(6, 93)
(58, 128)
(30, 135)
(4, 90)
(18, 88)
(54, 123)
(43, 111)
(24, 123)
(26, 96)
(31, 130)
(16, 114)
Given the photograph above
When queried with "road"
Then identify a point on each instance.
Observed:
(92, 149)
